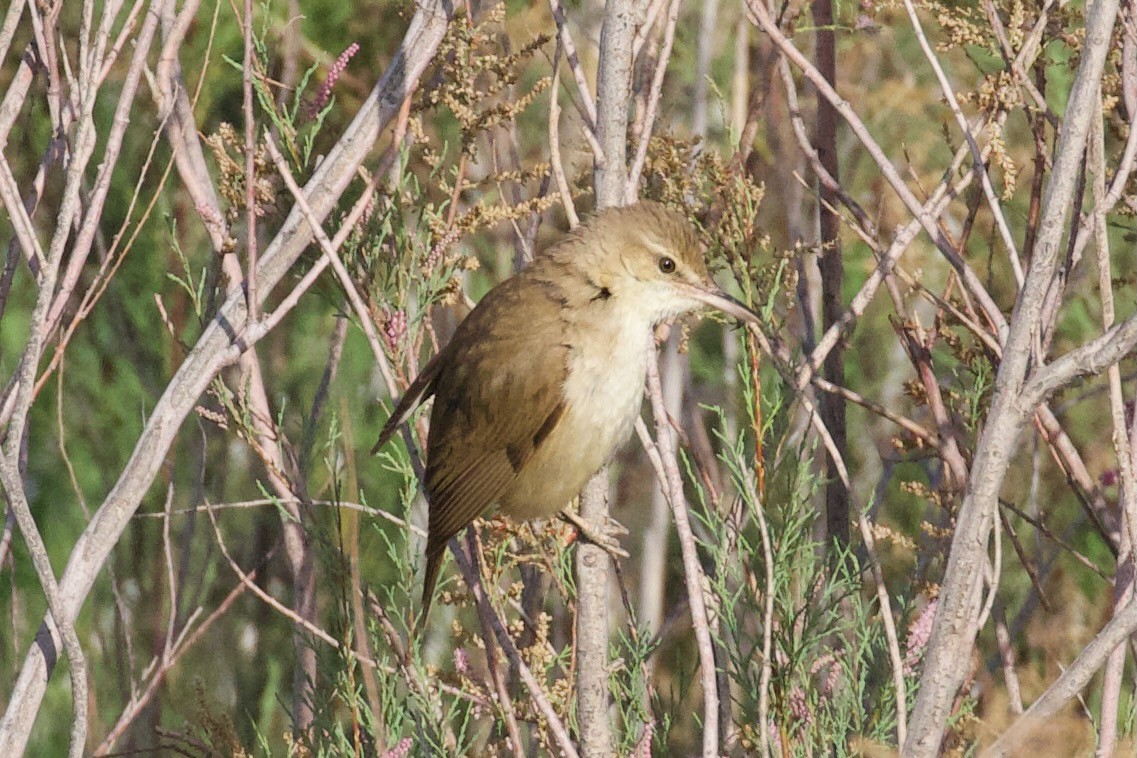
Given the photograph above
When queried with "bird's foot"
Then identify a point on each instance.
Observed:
(605, 537)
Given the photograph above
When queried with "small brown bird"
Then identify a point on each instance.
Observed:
(544, 379)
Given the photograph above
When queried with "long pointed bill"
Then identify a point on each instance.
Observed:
(716, 298)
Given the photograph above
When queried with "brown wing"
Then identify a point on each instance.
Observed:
(497, 397)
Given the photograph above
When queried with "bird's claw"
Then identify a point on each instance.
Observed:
(604, 537)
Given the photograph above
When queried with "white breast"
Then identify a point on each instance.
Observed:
(602, 396)
(604, 387)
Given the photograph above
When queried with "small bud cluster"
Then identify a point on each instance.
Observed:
(643, 747)
(461, 661)
(400, 750)
(918, 635)
(324, 94)
(395, 329)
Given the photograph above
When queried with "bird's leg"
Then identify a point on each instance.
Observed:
(604, 537)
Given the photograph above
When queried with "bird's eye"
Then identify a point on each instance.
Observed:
(666, 265)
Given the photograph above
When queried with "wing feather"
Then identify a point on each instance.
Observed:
(478, 443)
(498, 398)
(421, 389)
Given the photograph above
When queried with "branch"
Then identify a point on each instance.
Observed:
(692, 570)
(763, 19)
(1087, 360)
(831, 266)
(60, 621)
(652, 109)
(613, 90)
(976, 158)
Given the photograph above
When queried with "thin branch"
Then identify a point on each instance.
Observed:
(652, 109)
(8, 28)
(586, 105)
(171, 654)
(250, 164)
(978, 163)
(1123, 584)
(613, 91)
(504, 702)
(556, 725)
(831, 266)
(764, 20)
(692, 569)
(889, 629)
(329, 248)
(1076, 676)
(555, 163)
(767, 628)
(1089, 359)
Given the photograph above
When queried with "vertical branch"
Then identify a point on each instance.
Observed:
(767, 628)
(832, 273)
(614, 85)
(250, 165)
(692, 570)
(613, 89)
(296, 544)
(486, 618)
(555, 163)
(1123, 582)
(61, 615)
(653, 564)
(704, 49)
(652, 109)
(592, 623)
(889, 629)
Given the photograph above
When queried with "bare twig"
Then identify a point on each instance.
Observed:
(652, 110)
(586, 105)
(976, 156)
(504, 702)
(764, 20)
(1123, 585)
(8, 28)
(889, 629)
(160, 666)
(1076, 676)
(704, 50)
(329, 248)
(692, 570)
(556, 165)
(61, 614)
(767, 628)
(653, 563)
(832, 269)
(250, 165)
(556, 725)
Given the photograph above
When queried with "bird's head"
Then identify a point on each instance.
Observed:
(651, 258)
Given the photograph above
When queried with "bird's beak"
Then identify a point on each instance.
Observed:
(716, 298)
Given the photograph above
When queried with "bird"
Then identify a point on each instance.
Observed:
(542, 382)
